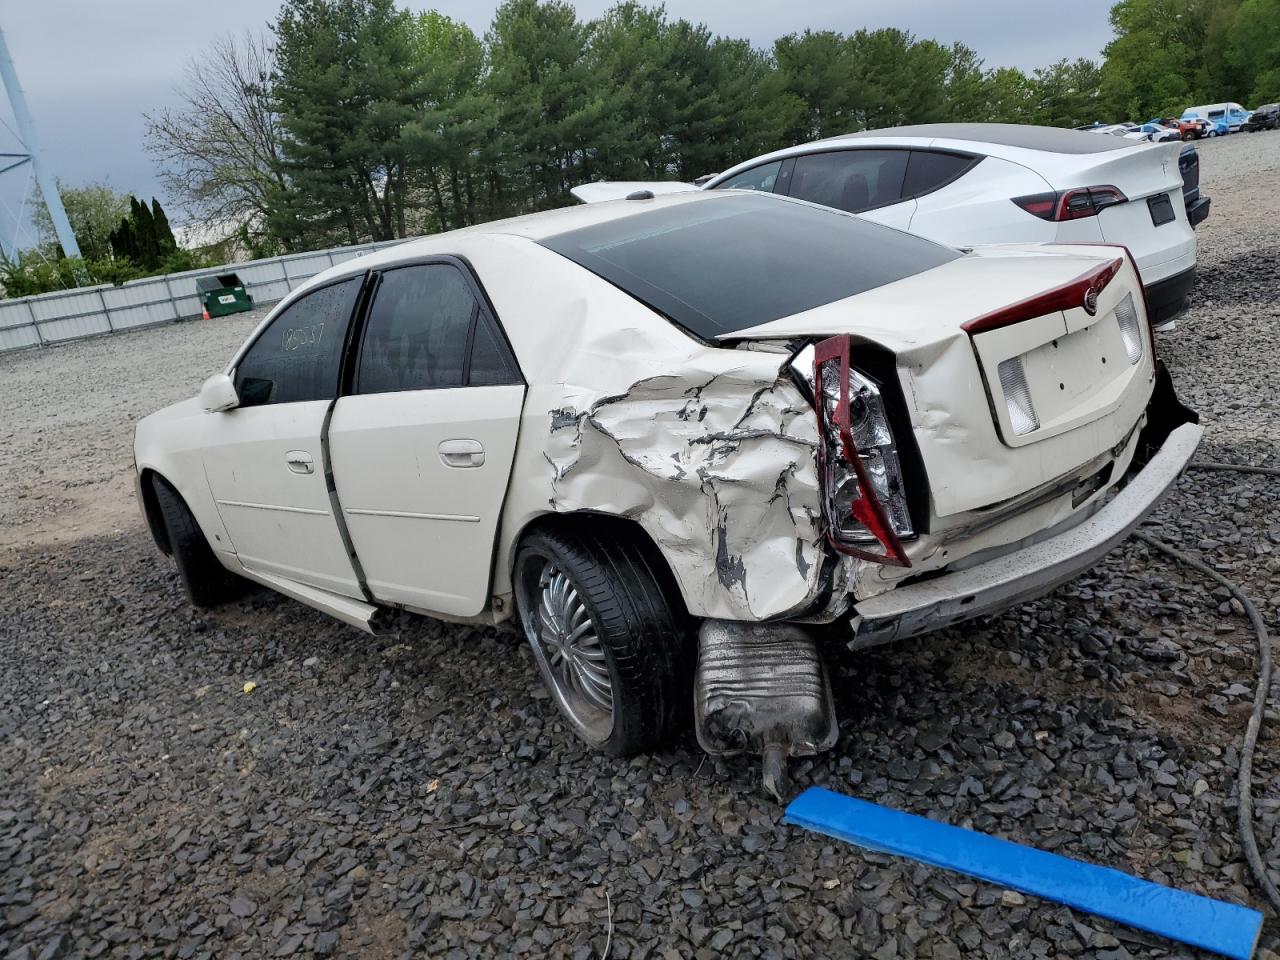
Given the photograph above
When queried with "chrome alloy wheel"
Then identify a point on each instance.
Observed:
(570, 655)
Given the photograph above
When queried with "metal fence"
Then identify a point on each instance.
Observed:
(93, 311)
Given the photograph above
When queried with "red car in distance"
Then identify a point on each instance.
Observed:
(1192, 128)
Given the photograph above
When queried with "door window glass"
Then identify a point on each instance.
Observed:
(762, 177)
(418, 331)
(297, 357)
(850, 180)
(928, 170)
(416, 334)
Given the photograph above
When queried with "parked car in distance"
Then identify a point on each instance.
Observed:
(1266, 117)
(1192, 128)
(1236, 119)
(973, 183)
(1129, 131)
(1158, 133)
(714, 413)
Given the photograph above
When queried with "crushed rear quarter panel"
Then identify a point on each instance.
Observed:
(712, 451)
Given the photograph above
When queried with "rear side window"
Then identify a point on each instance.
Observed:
(927, 170)
(489, 363)
(726, 262)
(297, 357)
(420, 330)
(761, 178)
(850, 180)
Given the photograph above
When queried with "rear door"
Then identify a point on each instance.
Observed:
(864, 181)
(422, 444)
(264, 460)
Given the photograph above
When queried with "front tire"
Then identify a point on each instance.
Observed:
(612, 646)
(206, 581)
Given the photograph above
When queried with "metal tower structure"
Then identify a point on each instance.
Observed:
(34, 155)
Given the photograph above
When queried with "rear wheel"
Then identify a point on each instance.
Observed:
(206, 581)
(612, 648)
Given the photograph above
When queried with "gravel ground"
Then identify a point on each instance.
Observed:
(419, 795)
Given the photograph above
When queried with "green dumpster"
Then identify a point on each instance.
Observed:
(222, 294)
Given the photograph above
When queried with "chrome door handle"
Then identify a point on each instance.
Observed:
(300, 461)
(461, 453)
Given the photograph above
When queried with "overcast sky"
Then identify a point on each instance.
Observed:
(90, 69)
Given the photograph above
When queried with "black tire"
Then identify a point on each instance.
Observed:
(207, 582)
(638, 619)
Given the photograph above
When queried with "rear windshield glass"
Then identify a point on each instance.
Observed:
(720, 265)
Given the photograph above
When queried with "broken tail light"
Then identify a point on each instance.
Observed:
(863, 498)
(1130, 328)
(1074, 204)
(1017, 396)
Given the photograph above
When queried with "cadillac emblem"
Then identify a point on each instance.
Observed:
(1091, 301)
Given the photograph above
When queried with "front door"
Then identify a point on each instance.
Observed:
(422, 446)
(265, 462)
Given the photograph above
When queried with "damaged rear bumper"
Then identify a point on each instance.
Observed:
(1032, 571)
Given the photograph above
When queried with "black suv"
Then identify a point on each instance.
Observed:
(1266, 117)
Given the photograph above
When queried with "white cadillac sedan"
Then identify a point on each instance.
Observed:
(672, 436)
(975, 183)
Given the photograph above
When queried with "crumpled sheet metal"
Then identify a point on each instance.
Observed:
(718, 462)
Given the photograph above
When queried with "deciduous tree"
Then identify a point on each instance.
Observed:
(219, 151)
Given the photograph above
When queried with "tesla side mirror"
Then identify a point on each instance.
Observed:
(218, 394)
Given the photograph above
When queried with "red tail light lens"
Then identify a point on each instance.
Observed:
(1074, 204)
(1083, 291)
(853, 510)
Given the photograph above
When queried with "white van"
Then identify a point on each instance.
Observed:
(1232, 114)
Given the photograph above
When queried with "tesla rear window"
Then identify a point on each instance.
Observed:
(722, 264)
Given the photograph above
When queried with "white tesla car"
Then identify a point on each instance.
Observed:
(718, 415)
(971, 183)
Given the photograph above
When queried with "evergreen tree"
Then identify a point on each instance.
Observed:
(165, 241)
(144, 226)
(346, 85)
(123, 243)
(539, 78)
(144, 237)
(450, 155)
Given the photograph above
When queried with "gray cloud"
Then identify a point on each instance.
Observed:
(91, 69)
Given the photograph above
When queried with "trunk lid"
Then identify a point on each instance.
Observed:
(1153, 223)
(1087, 394)
(621, 189)
(1138, 171)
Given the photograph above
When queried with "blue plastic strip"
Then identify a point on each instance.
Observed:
(1224, 928)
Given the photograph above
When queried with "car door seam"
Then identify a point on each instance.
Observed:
(335, 504)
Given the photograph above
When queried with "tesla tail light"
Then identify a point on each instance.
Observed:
(1130, 328)
(863, 497)
(1017, 396)
(1074, 204)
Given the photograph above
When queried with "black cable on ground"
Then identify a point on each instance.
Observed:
(1244, 780)
(1234, 468)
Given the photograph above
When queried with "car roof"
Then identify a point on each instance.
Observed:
(547, 223)
(1010, 141)
(532, 226)
(1047, 139)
